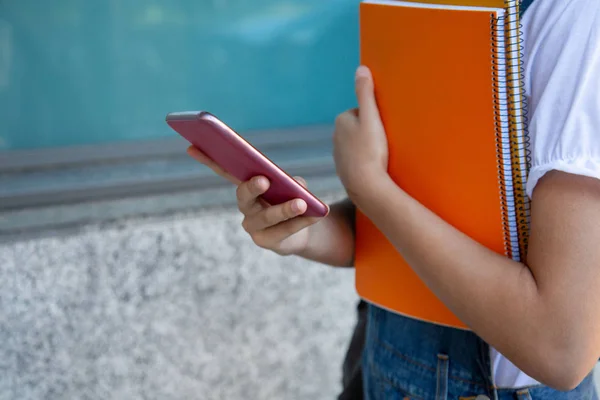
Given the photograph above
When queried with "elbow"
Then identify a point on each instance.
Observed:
(564, 379)
(563, 370)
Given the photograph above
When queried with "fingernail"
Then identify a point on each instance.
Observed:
(259, 183)
(362, 72)
(298, 206)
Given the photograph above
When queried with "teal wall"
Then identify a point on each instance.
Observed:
(85, 71)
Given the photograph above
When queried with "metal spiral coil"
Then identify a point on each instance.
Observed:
(512, 133)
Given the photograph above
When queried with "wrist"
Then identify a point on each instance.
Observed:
(371, 189)
(306, 250)
(330, 241)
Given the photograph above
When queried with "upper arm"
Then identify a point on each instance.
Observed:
(564, 250)
(564, 258)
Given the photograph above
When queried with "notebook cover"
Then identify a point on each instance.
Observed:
(472, 3)
(433, 82)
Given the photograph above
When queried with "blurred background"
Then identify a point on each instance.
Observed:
(123, 270)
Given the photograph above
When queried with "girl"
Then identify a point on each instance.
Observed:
(535, 325)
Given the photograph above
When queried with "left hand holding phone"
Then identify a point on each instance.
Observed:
(279, 228)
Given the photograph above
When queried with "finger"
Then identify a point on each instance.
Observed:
(301, 181)
(278, 233)
(346, 119)
(365, 95)
(198, 155)
(248, 194)
(203, 159)
(274, 215)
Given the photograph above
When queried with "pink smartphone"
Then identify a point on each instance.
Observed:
(239, 158)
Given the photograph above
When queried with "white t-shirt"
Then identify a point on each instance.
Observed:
(562, 80)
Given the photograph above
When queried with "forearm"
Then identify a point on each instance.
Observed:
(495, 296)
(331, 241)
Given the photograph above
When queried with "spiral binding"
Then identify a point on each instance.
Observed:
(501, 128)
(519, 129)
(512, 138)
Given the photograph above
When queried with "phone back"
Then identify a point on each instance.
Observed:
(240, 159)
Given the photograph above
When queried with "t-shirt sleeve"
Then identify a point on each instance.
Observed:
(562, 77)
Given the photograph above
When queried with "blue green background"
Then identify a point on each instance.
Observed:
(76, 72)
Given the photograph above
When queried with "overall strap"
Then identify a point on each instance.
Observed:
(524, 6)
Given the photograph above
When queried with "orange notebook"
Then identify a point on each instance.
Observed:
(447, 82)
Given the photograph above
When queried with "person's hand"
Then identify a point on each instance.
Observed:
(360, 143)
(203, 159)
(279, 228)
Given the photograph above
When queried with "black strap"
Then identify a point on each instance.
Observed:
(524, 6)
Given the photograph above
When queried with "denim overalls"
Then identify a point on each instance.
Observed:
(405, 358)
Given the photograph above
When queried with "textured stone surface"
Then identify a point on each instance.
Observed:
(172, 308)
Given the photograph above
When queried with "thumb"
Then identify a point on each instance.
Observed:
(365, 95)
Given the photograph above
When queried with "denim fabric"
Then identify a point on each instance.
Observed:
(405, 358)
(524, 5)
(352, 387)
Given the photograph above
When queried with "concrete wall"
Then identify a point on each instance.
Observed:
(177, 307)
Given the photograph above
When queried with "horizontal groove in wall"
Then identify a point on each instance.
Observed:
(46, 178)
(18, 160)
